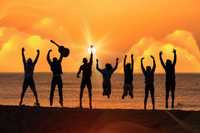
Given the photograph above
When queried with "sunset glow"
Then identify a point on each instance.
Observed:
(91, 49)
(141, 27)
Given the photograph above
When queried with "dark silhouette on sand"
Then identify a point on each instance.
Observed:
(149, 81)
(29, 66)
(56, 69)
(128, 77)
(170, 82)
(86, 69)
(107, 74)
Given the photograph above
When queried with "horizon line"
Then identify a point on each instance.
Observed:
(115, 73)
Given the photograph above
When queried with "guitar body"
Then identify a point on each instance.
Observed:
(61, 49)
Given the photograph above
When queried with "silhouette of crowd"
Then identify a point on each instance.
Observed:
(107, 72)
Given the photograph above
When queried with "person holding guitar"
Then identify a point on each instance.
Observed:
(56, 69)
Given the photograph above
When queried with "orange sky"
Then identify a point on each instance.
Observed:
(140, 26)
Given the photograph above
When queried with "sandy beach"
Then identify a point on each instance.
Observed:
(73, 120)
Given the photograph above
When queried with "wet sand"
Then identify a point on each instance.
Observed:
(71, 120)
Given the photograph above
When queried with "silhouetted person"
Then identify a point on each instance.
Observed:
(107, 74)
(170, 77)
(29, 66)
(149, 81)
(86, 69)
(128, 77)
(56, 69)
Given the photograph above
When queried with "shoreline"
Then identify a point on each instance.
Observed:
(27, 119)
(47, 107)
(119, 73)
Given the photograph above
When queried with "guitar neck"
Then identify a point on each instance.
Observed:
(54, 43)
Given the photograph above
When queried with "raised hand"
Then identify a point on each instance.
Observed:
(174, 62)
(161, 53)
(23, 49)
(50, 50)
(131, 55)
(117, 59)
(174, 50)
(38, 51)
(152, 57)
(52, 41)
(142, 58)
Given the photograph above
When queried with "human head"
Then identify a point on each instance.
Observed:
(85, 60)
(148, 68)
(108, 66)
(30, 61)
(168, 63)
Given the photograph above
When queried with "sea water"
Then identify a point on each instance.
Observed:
(187, 91)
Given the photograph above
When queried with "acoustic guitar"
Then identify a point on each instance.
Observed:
(61, 49)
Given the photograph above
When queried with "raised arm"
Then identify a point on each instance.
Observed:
(48, 57)
(61, 58)
(154, 64)
(23, 56)
(116, 65)
(36, 58)
(175, 56)
(125, 62)
(91, 59)
(97, 66)
(132, 62)
(161, 60)
(142, 66)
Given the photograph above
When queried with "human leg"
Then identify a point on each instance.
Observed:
(24, 88)
(60, 87)
(89, 86)
(125, 91)
(173, 94)
(152, 97)
(146, 96)
(33, 88)
(81, 93)
(53, 86)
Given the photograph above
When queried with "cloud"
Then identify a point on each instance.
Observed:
(185, 40)
(32, 24)
(187, 51)
(13, 40)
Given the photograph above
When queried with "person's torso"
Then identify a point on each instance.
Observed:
(56, 68)
(170, 74)
(106, 74)
(29, 68)
(87, 71)
(128, 76)
(149, 77)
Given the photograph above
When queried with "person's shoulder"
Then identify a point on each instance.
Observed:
(82, 66)
(104, 70)
(89, 64)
